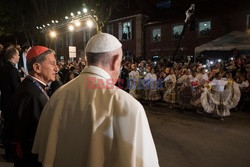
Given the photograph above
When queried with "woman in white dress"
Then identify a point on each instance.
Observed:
(133, 78)
(170, 84)
(152, 92)
(185, 92)
(223, 95)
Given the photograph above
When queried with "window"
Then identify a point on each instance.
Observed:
(125, 30)
(110, 29)
(127, 55)
(204, 28)
(177, 30)
(248, 21)
(156, 35)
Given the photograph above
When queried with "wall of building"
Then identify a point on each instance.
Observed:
(133, 45)
(220, 25)
(142, 45)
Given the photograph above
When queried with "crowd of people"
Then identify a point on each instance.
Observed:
(213, 88)
(30, 78)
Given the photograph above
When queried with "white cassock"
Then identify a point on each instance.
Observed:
(82, 126)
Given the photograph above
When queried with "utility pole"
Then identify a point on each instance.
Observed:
(189, 15)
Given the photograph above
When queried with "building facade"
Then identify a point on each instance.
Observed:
(147, 35)
(159, 36)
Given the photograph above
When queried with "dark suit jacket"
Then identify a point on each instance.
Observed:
(27, 105)
(20, 128)
(9, 81)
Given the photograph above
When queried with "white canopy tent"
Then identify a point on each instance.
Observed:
(235, 39)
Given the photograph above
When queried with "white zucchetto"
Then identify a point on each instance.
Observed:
(102, 42)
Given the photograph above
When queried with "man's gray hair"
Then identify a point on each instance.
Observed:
(39, 59)
(98, 58)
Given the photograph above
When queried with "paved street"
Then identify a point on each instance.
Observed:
(188, 139)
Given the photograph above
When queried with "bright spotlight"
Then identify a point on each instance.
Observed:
(53, 21)
(78, 12)
(211, 62)
(77, 23)
(219, 60)
(90, 23)
(232, 58)
(56, 21)
(85, 10)
(48, 24)
(66, 17)
(71, 28)
(53, 34)
(72, 14)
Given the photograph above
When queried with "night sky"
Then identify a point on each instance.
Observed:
(60, 8)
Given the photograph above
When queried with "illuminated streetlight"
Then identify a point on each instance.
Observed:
(78, 12)
(53, 21)
(77, 23)
(85, 10)
(71, 28)
(52, 34)
(37, 27)
(232, 58)
(219, 60)
(72, 14)
(40, 27)
(89, 23)
(66, 17)
(211, 62)
(56, 21)
(43, 25)
(48, 24)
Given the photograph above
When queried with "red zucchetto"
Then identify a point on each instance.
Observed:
(35, 52)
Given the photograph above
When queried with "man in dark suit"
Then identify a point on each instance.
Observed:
(28, 103)
(9, 81)
(9, 78)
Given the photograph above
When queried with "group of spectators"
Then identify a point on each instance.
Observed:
(214, 88)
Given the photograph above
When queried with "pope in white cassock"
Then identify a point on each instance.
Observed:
(89, 122)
